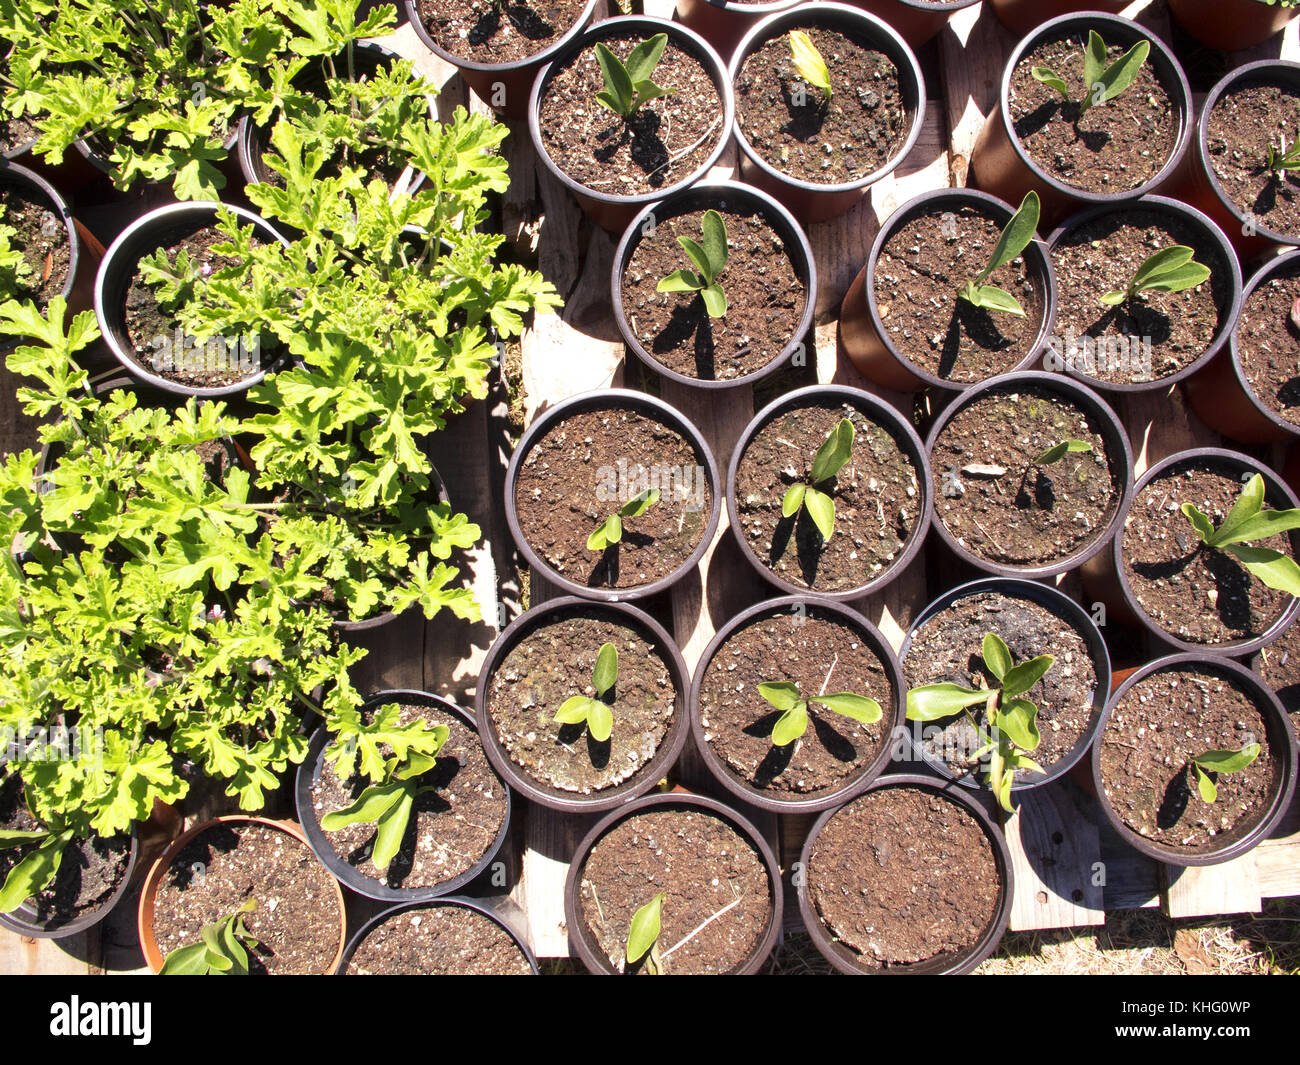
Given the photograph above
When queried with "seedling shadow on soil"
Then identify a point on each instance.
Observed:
(978, 325)
(524, 20)
(597, 750)
(808, 543)
(692, 319)
(640, 134)
(1231, 580)
(777, 759)
(605, 572)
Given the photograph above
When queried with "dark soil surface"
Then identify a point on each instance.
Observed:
(1111, 147)
(554, 663)
(1247, 119)
(584, 469)
(665, 141)
(450, 829)
(920, 271)
(877, 500)
(438, 941)
(821, 654)
(1268, 345)
(795, 129)
(703, 865)
(1102, 256)
(89, 872)
(15, 132)
(1163, 722)
(1027, 515)
(43, 240)
(297, 921)
(765, 298)
(949, 648)
(1279, 665)
(903, 875)
(480, 31)
(1201, 595)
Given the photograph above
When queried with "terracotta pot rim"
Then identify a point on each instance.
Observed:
(535, 59)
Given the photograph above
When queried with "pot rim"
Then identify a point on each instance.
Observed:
(1270, 710)
(781, 221)
(1118, 450)
(536, 59)
(21, 176)
(1287, 262)
(909, 443)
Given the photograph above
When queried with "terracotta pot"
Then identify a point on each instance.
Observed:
(149, 893)
(916, 20)
(864, 336)
(1021, 16)
(723, 23)
(1000, 164)
(1230, 24)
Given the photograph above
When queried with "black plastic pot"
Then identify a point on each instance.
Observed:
(1281, 742)
(653, 771)
(863, 334)
(609, 211)
(723, 195)
(613, 399)
(348, 875)
(893, 720)
(1055, 360)
(152, 230)
(502, 86)
(1000, 164)
(875, 410)
(461, 901)
(809, 201)
(1062, 606)
(845, 960)
(585, 945)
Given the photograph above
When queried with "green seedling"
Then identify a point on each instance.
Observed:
(222, 950)
(594, 712)
(1058, 451)
(708, 258)
(1248, 521)
(1014, 719)
(793, 721)
(1102, 82)
(628, 85)
(15, 273)
(610, 531)
(1016, 237)
(1171, 269)
(809, 63)
(1282, 157)
(1220, 762)
(829, 460)
(37, 870)
(643, 936)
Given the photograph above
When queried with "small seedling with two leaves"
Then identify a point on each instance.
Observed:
(1102, 82)
(793, 721)
(628, 85)
(809, 63)
(708, 258)
(595, 712)
(1058, 451)
(1247, 521)
(643, 936)
(37, 870)
(829, 460)
(1014, 719)
(610, 531)
(1171, 269)
(1016, 237)
(1220, 762)
(221, 951)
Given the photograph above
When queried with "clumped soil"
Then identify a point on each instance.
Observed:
(297, 920)
(1268, 345)
(1111, 147)
(584, 468)
(16, 132)
(949, 648)
(702, 865)
(995, 500)
(89, 872)
(1200, 594)
(792, 125)
(1279, 665)
(1246, 120)
(438, 940)
(665, 141)
(1153, 733)
(821, 654)
(877, 500)
(903, 875)
(919, 273)
(481, 31)
(450, 829)
(42, 238)
(1168, 330)
(765, 298)
(554, 663)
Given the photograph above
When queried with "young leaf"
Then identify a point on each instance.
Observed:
(574, 710)
(821, 508)
(609, 531)
(1024, 676)
(1275, 569)
(715, 242)
(793, 500)
(932, 702)
(643, 932)
(809, 63)
(1208, 789)
(1228, 761)
(1018, 718)
(791, 725)
(638, 505)
(782, 695)
(600, 721)
(619, 90)
(366, 809)
(1016, 234)
(834, 453)
(858, 707)
(391, 827)
(699, 258)
(992, 298)
(681, 281)
(606, 671)
(1117, 77)
(1094, 61)
(34, 873)
(1203, 526)
(997, 655)
(1058, 451)
(1051, 80)
(643, 59)
(715, 301)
